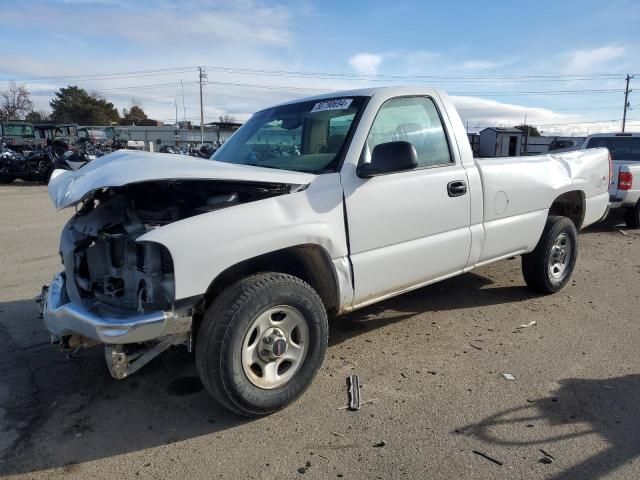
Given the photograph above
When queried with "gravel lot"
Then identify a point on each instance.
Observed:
(431, 363)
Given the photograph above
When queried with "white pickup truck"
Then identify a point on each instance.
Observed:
(313, 208)
(624, 191)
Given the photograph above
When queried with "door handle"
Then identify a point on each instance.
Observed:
(457, 188)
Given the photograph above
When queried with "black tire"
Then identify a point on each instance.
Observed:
(221, 335)
(632, 216)
(5, 179)
(536, 268)
(45, 175)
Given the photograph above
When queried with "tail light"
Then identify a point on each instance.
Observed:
(625, 180)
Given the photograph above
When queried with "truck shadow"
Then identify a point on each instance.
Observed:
(606, 408)
(614, 220)
(443, 295)
(81, 414)
(57, 413)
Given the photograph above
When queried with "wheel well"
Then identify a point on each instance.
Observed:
(570, 205)
(310, 263)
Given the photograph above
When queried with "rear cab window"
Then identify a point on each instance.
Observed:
(620, 148)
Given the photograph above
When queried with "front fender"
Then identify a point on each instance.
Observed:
(205, 245)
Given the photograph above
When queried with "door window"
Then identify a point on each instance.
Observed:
(414, 120)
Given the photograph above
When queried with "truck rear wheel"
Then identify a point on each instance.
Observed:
(549, 266)
(632, 216)
(261, 343)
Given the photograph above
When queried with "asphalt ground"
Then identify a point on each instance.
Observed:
(431, 364)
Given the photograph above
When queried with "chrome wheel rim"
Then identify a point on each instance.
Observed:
(560, 256)
(275, 346)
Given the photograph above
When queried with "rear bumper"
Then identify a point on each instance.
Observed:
(624, 199)
(62, 318)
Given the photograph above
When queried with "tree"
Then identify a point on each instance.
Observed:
(134, 115)
(15, 103)
(533, 131)
(37, 117)
(227, 118)
(75, 105)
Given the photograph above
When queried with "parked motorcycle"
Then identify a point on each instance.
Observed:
(202, 151)
(78, 157)
(168, 149)
(36, 166)
(39, 164)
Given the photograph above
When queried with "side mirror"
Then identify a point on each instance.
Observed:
(389, 157)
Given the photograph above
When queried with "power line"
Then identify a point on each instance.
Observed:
(331, 75)
(133, 87)
(567, 77)
(106, 76)
(464, 109)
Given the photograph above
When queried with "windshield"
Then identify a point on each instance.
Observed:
(620, 148)
(305, 136)
(18, 130)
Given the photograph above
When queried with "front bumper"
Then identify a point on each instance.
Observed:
(62, 318)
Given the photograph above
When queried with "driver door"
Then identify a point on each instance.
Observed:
(408, 228)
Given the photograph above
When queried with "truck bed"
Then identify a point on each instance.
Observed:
(517, 192)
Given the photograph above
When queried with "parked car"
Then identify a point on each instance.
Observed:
(244, 257)
(19, 136)
(624, 191)
(564, 144)
(61, 137)
(91, 135)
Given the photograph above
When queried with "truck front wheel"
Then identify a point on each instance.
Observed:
(549, 266)
(261, 343)
(632, 216)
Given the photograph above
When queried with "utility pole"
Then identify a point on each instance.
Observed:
(184, 110)
(201, 77)
(176, 104)
(626, 101)
(526, 137)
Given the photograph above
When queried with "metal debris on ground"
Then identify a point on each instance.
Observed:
(381, 443)
(530, 324)
(354, 392)
(547, 454)
(545, 460)
(622, 232)
(508, 376)
(484, 455)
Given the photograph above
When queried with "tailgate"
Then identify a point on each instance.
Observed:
(613, 188)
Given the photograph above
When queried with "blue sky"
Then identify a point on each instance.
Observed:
(489, 55)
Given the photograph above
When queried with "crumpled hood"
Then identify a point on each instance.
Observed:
(127, 166)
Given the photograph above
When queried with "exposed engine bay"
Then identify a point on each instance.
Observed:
(104, 265)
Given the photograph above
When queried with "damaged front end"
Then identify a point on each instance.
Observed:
(118, 291)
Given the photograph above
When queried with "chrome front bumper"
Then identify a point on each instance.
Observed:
(62, 317)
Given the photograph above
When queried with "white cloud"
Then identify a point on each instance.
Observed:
(589, 61)
(366, 63)
(479, 113)
(484, 112)
(479, 65)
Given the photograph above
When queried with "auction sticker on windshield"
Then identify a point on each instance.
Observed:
(337, 104)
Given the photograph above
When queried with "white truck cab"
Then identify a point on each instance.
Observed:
(314, 207)
(624, 191)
